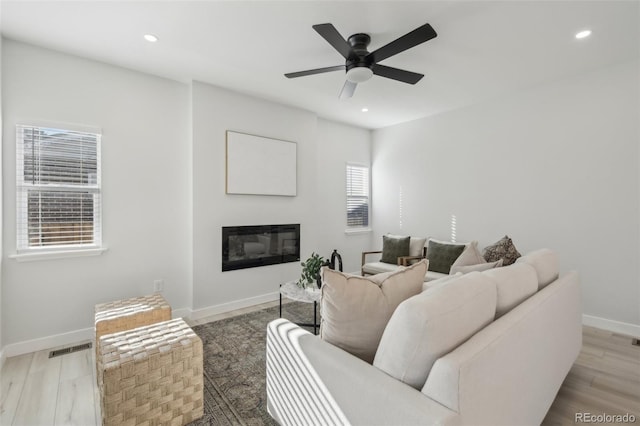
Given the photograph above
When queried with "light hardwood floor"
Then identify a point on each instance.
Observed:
(37, 390)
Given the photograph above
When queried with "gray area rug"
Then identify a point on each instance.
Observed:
(234, 365)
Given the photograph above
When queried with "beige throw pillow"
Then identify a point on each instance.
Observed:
(355, 309)
(470, 256)
(433, 323)
(478, 268)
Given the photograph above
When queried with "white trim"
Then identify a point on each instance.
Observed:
(74, 127)
(612, 325)
(49, 342)
(231, 306)
(181, 313)
(356, 231)
(61, 254)
(2, 359)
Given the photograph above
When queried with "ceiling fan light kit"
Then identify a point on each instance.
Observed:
(360, 64)
(359, 74)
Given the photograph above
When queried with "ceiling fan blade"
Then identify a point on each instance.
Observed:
(348, 89)
(333, 37)
(315, 71)
(407, 41)
(397, 74)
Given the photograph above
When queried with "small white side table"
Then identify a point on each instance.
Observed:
(291, 291)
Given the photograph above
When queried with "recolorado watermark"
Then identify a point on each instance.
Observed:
(604, 418)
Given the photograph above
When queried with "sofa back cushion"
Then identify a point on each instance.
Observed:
(416, 246)
(433, 323)
(545, 262)
(514, 284)
(355, 309)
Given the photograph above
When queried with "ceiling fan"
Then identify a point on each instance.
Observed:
(361, 64)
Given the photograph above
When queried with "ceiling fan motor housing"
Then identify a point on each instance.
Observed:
(357, 66)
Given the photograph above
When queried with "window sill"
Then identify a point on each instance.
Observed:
(61, 254)
(357, 231)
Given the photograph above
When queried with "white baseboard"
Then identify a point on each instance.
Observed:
(612, 325)
(231, 306)
(2, 358)
(181, 313)
(76, 336)
(48, 342)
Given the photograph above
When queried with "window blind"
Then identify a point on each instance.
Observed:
(58, 188)
(357, 196)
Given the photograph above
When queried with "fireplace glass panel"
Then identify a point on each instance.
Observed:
(253, 246)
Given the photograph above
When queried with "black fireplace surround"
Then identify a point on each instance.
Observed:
(252, 246)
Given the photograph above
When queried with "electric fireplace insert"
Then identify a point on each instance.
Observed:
(261, 245)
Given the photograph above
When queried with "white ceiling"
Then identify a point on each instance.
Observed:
(484, 49)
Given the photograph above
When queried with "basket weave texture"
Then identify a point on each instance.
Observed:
(151, 375)
(130, 313)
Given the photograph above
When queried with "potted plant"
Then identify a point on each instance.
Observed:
(311, 271)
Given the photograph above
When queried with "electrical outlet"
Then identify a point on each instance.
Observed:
(158, 285)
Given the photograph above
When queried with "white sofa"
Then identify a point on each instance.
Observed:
(507, 373)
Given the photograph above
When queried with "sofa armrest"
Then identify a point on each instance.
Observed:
(310, 381)
(365, 253)
(364, 259)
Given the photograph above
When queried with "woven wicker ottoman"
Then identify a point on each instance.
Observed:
(151, 375)
(127, 314)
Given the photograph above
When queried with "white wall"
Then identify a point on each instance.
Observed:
(1, 224)
(216, 110)
(323, 148)
(163, 150)
(145, 171)
(555, 166)
(337, 145)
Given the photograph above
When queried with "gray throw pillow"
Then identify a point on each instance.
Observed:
(441, 256)
(393, 247)
(502, 249)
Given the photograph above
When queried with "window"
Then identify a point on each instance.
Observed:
(58, 189)
(357, 196)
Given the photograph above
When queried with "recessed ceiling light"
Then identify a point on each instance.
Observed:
(365, 109)
(150, 38)
(583, 34)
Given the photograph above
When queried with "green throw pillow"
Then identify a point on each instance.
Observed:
(441, 256)
(393, 247)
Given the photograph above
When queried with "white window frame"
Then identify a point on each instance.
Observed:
(354, 229)
(26, 251)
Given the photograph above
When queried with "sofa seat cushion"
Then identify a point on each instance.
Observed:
(379, 267)
(425, 327)
(439, 281)
(475, 268)
(433, 275)
(355, 310)
(545, 262)
(514, 284)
